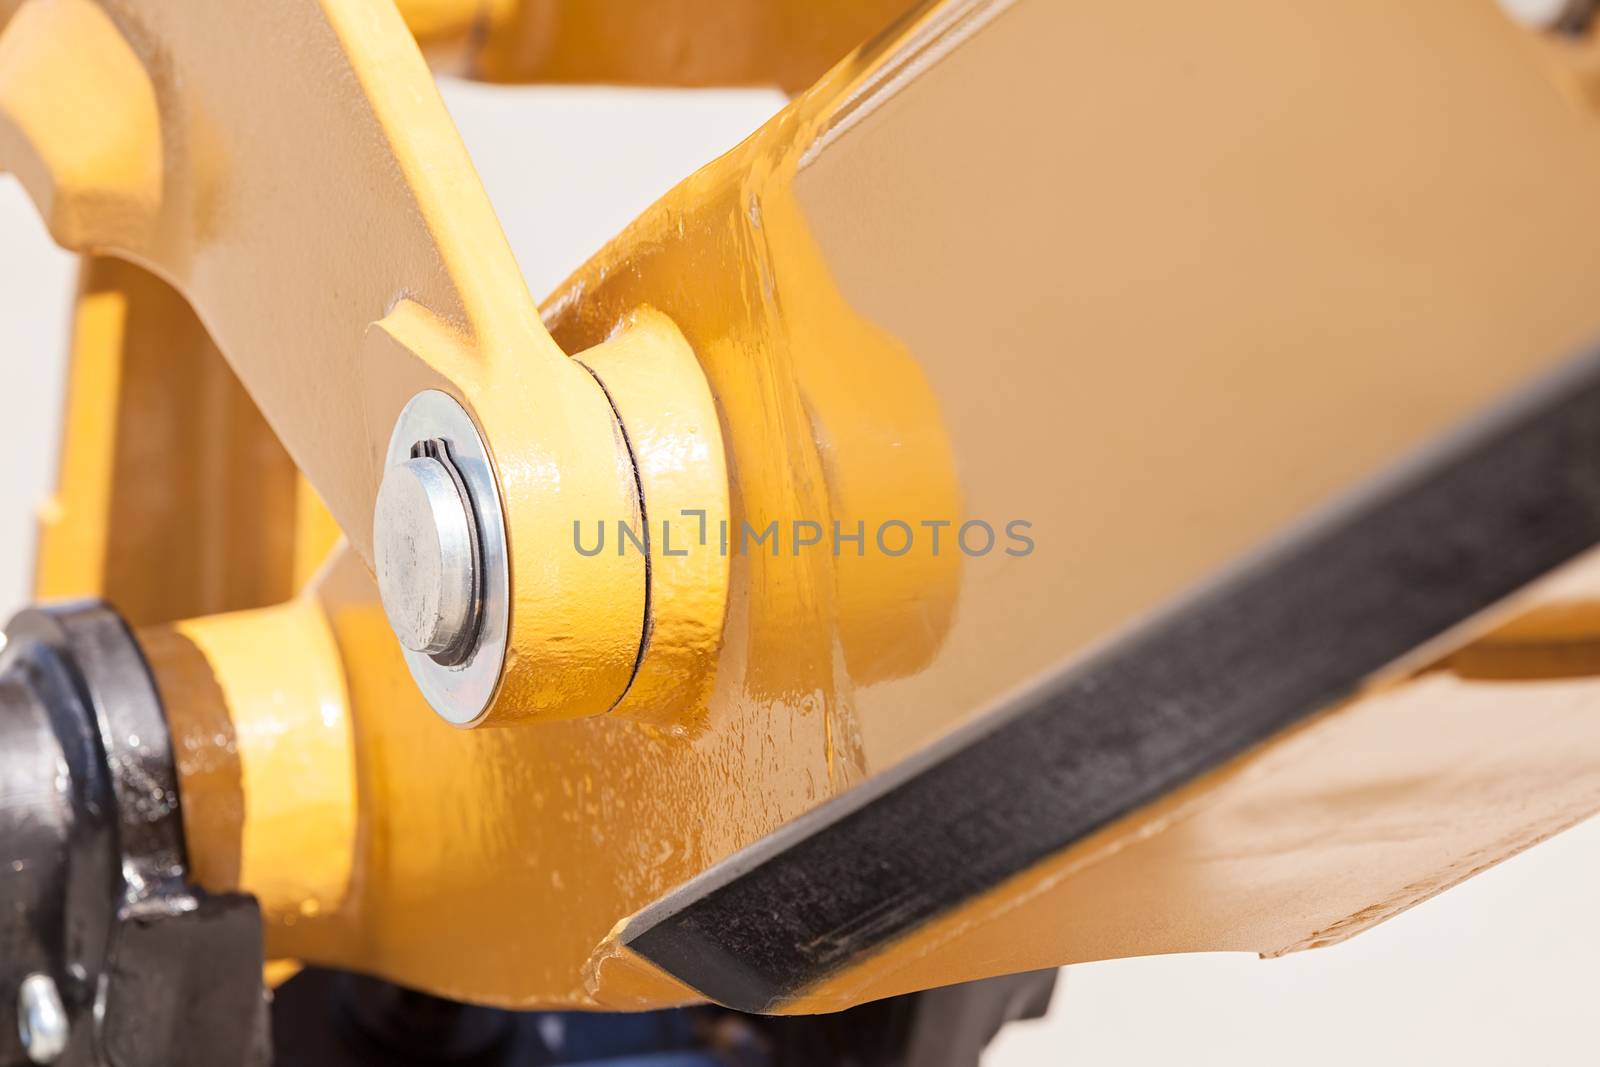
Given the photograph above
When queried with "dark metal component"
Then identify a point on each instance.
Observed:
(328, 1019)
(331, 1019)
(58, 870)
(90, 643)
(947, 1027)
(184, 988)
(955, 1024)
(1571, 17)
(1299, 628)
(396, 1021)
(1579, 17)
(151, 971)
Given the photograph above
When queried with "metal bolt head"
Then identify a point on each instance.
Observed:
(1550, 15)
(41, 1020)
(460, 682)
(422, 540)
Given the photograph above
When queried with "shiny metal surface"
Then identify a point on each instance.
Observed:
(1570, 15)
(41, 1020)
(1312, 298)
(106, 910)
(426, 532)
(423, 542)
(180, 165)
(914, 300)
(1161, 286)
(1168, 288)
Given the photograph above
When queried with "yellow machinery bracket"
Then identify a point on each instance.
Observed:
(140, 133)
(1159, 328)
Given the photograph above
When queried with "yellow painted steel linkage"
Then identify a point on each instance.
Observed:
(1162, 326)
(788, 43)
(140, 131)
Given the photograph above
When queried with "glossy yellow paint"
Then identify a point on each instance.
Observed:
(1567, 612)
(80, 123)
(883, 335)
(788, 43)
(173, 497)
(1367, 811)
(74, 538)
(1180, 323)
(192, 178)
(316, 535)
(651, 378)
(489, 864)
(453, 24)
(1572, 60)
(860, 285)
(265, 761)
(576, 621)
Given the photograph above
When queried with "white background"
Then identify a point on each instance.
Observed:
(1501, 970)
